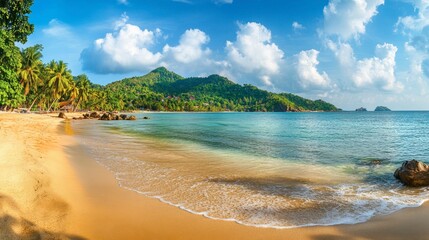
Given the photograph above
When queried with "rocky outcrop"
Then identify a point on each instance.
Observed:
(413, 173)
(62, 115)
(132, 118)
(362, 109)
(382, 109)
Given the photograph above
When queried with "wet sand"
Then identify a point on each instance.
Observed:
(50, 189)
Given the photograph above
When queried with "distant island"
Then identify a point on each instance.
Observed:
(163, 90)
(361, 109)
(382, 109)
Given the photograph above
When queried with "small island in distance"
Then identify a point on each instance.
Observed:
(382, 109)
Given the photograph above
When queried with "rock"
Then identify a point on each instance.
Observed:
(94, 115)
(85, 116)
(145, 117)
(132, 118)
(361, 109)
(105, 116)
(117, 117)
(62, 115)
(413, 173)
(382, 109)
(123, 116)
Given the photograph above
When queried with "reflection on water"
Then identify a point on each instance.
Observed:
(279, 171)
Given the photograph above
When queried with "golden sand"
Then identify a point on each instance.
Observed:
(49, 189)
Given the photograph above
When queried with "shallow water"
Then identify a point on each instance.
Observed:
(267, 169)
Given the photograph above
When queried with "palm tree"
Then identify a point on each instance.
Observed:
(59, 81)
(83, 85)
(29, 74)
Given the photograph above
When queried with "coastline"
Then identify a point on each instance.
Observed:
(65, 194)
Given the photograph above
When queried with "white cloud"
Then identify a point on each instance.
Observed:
(348, 18)
(419, 21)
(124, 50)
(377, 71)
(253, 52)
(57, 29)
(125, 2)
(306, 70)
(190, 48)
(297, 26)
(223, 1)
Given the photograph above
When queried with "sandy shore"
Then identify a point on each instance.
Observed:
(49, 189)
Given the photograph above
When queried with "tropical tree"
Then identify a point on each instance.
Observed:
(83, 85)
(59, 81)
(31, 64)
(14, 27)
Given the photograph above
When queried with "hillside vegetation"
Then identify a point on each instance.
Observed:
(162, 90)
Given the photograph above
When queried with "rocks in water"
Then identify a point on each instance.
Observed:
(94, 115)
(382, 109)
(361, 109)
(62, 115)
(85, 116)
(113, 116)
(145, 117)
(413, 173)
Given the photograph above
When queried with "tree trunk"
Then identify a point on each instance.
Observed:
(49, 109)
(34, 101)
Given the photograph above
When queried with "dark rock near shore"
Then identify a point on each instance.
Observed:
(413, 173)
(94, 115)
(145, 117)
(62, 115)
(132, 118)
(123, 116)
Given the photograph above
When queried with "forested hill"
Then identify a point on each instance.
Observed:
(162, 90)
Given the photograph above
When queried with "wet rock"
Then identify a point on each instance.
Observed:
(132, 118)
(145, 117)
(94, 115)
(62, 115)
(123, 116)
(85, 116)
(413, 173)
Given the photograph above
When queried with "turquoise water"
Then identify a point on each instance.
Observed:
(268, 169)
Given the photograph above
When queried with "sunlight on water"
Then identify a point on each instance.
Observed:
(270, 170)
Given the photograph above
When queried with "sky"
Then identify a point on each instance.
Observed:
(352, 53)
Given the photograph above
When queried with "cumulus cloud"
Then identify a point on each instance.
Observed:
(348, 18)
(57, 28)
(124, 50)
(418, 21)
(125, 2)
(190, 48)
(307, 72)
(254, 53)
(377, 71)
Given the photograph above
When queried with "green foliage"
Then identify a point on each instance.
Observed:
(161, 90)
(14, 27)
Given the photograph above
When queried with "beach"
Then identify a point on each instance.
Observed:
(51, 189)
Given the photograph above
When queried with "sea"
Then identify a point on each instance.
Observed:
(276, 170)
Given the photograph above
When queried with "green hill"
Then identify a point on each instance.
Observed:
(162, 90)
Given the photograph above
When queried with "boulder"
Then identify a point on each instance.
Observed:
(145, 117)
(94, 115)
(105, 116)
(123, 116)
(85, 116)
(413, 173)
(62, 115)
(132, 118)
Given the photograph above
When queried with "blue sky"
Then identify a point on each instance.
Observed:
(352, 53)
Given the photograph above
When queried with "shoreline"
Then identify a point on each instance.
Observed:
(97, 208)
